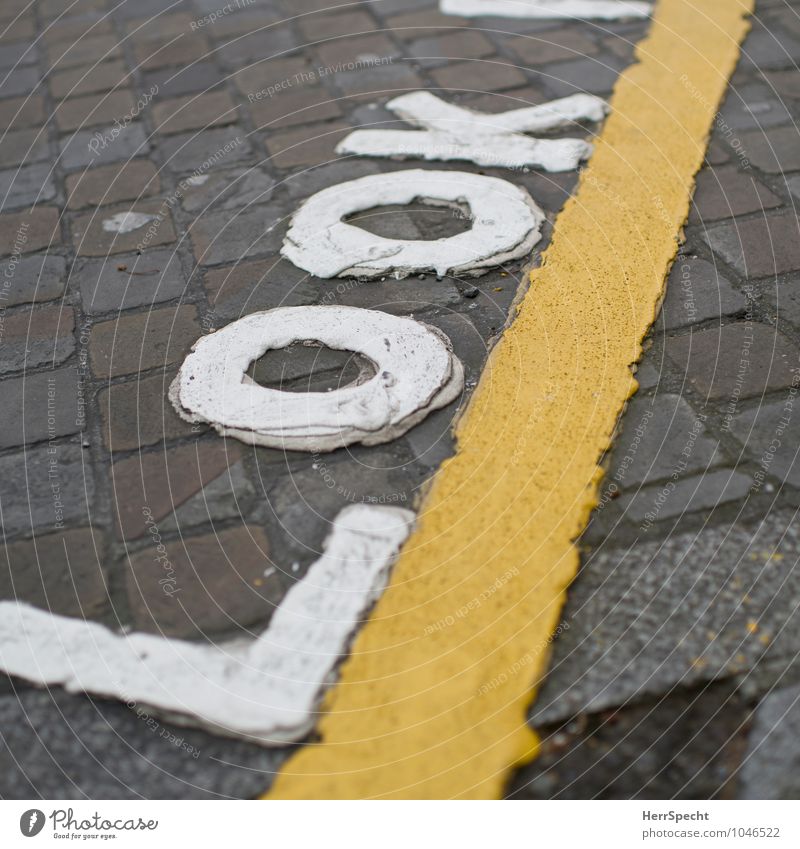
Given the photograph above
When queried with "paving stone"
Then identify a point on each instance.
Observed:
(75, 113)
(209, 584)
(230, 188)
(774, 152)
(37, 337)
(697, 292)
(764, 246)
(24, 146)
(92, 239)
(194, 112)
(24, 28)
(310, 145)
(309, 368)
(739, 360)
(648, 374)
(242, 21)
(144, 9)
(257, 45)
(45, 487)
(594, 75)
(18, 53)
(67, 746)
(684, 746)
(31, 279)
(408, 25)
(551, 46)
(76, 27)
(85, 51)
(478, 76)
(304, 183)
(172, 82)
(768, 47)
(26, 185)
(20, 81)
(224, 237)
(247, 287)
(784, 303)
(676, 612)
(25, 232)
(161, 24)
(129, 280)
(753, 105)
(770, 768)
(268, 77)
(786, 83)
(17, 112)
(333, 53)
(88, 80)
(661, 438)
(433, 51)
(138, 413)
(188, 152)
(345, 23)
(399, 297)
(152, 486)
(305, 499)
(134, 343)
(167, 52)
(727, 192)
(61, 572)
(770, 434)
(227, 497)
(40, 406)
(108, 184)
(685, 495)
(90, 148)
(379, 80)
(297, 105)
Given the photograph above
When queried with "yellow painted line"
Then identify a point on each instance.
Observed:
(433, 699)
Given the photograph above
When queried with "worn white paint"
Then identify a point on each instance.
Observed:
(505, 225)
(452, 132)
(606, 10)
(197, 179)
(415, 372)
(266, 690)
(126, 222)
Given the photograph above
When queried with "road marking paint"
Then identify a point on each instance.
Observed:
(607, 10)
(430, 712)
(505, 225)
(265, 690)
(452, 132)
(126, 222)
(415, 373)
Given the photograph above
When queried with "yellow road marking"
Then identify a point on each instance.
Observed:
(432, 702)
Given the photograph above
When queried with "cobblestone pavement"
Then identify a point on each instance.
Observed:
(679, 659)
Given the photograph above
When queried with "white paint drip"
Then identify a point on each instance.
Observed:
(126, 222)
(606, 10)
(197, 179)
(416, 372)
(452, 132)
(266, 690)
(505, 225)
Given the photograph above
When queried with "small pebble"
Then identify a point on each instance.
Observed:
(472, 292)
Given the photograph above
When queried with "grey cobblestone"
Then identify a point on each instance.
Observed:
(642, 619)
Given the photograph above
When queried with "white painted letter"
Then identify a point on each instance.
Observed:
(505, 225)
(415, 372)
(496, 141)
(606, 10)
(265, 691)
